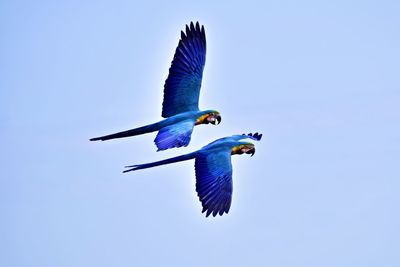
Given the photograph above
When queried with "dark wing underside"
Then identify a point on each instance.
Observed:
(182, 87)
(214, 182)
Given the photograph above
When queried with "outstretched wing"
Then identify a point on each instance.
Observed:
(214, 182)
(182, 87)
(175, 135)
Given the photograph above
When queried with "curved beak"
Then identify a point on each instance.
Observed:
(219, 119)
(214, 119)
(251, 151)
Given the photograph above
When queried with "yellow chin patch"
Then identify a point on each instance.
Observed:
(201, 119)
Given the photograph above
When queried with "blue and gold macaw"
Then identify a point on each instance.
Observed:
(181, 95)
(213, 170)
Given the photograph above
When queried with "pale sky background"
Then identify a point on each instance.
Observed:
(320, 80)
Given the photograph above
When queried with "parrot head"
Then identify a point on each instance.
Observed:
(247, 148)
(213, 117)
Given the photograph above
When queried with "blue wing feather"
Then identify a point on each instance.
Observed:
(214, 182)
(182, 87)
(175, 135)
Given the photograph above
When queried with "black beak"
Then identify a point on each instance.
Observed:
(219, 119)
(216, 121)
(251, 151)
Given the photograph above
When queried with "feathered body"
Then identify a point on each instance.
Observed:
(181, 95)
(213, 170)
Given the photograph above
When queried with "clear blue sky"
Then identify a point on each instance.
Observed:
(320, 80)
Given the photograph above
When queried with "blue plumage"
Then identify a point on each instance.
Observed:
(214, 181)
(213, 170)
(182, 87)
(176, 135)
(181, 95)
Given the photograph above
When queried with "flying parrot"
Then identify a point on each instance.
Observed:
(180, 106)
(213, 169)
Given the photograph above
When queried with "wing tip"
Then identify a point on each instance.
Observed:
(192, 29)
(216, 209)
(214, 212)
(256, 136)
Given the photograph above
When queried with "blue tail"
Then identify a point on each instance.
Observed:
(137, 131)
(161, 162)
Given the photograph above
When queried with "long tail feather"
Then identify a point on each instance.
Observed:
(161, 162)
(133, 132)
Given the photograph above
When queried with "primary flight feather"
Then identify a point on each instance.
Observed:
(213, 169)
(180, 106)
